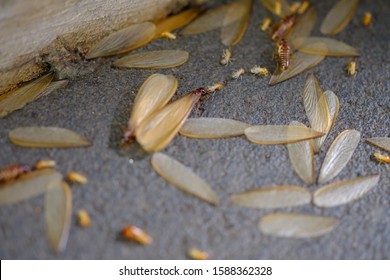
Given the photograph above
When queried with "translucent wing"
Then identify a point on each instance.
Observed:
(296, 225)
(280, 134)
(302, 158)
(183, 178)
(232, 32)
(300, 62)
(28, 186)
(272, 197)
(339, 154)
(304, 26)
(333, 105)
(154, 94)
(58, 212)
(124, 40)
(272, 6)
(380, 142)
(18, 98)
(339, 16)
(47, 137)
(153, 59)
(324, 46)
(343, 192)
(158, 130)
(176, 21)
(212, 128)
(316, 106)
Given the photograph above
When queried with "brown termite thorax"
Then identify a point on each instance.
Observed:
(283, 28)
(13, 171)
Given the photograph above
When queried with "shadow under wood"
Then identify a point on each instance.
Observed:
(122, 113)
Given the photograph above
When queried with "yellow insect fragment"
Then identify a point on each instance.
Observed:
(45, 164)
(257, 70)
(137, 234)
(168, 35)
(214, 88)
(76, 177)
(303, 7)
(351, 68)
(367, 19)
(238, 73)
(278, 8)
(83, 218)
(381, 158)
(226, 57)
(266, 23)
(294, 7)
(197, 254)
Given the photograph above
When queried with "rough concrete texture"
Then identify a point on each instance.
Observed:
(122, 192)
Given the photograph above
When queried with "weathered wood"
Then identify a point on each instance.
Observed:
(37, 35)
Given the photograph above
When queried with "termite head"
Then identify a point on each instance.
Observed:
(127, 136)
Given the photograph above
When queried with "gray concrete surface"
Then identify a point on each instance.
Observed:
(120, 192)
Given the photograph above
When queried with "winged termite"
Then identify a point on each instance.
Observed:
(272, 197)
(303, 26)
(380, 142)
(197, 254)
(339, 16)
(176, 21)
(156, 132)
(333, 105)
(18, 98)
(266, 24)
(47, 137)
(367, 19)
(343, 192)
(183, 178)
(226, 57)
(299, 64)
(316, 107)
(154, 94)
(233, 30)
(280, 8)
(137, 234)
(83, 218)
(153, 59)
(301, 156)
(212, 128)
(236, 74)
(257, 70)
(76, 177)
(351, 68)
(381, 158)
(339, 154)
(296, 225)
(58, 214)
(283, 53)
(324, 46)
(28, 185)
(124, 40)
(280, 134)
(13, 171)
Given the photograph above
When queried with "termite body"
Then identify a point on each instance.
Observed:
(283, 53)
(13, 171)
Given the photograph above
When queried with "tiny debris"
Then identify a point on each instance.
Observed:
(266, 24)
(45, 164)
(238, 73)
(381, 158)
(257, 70)
(134, 233)
(197, 254)
(226, 57)
(351, 68)
(77, 178)
(168, 35)
(83, 218)
(367, 19)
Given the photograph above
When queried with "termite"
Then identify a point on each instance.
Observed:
(283, 28)
(168, 35)
(381, 158)
(283, 54)
(226, 57)
(266, 23)
(238, 73)
(367, 19)
(13, 171)
(257, 70)
(134, 233)
(351, 68)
